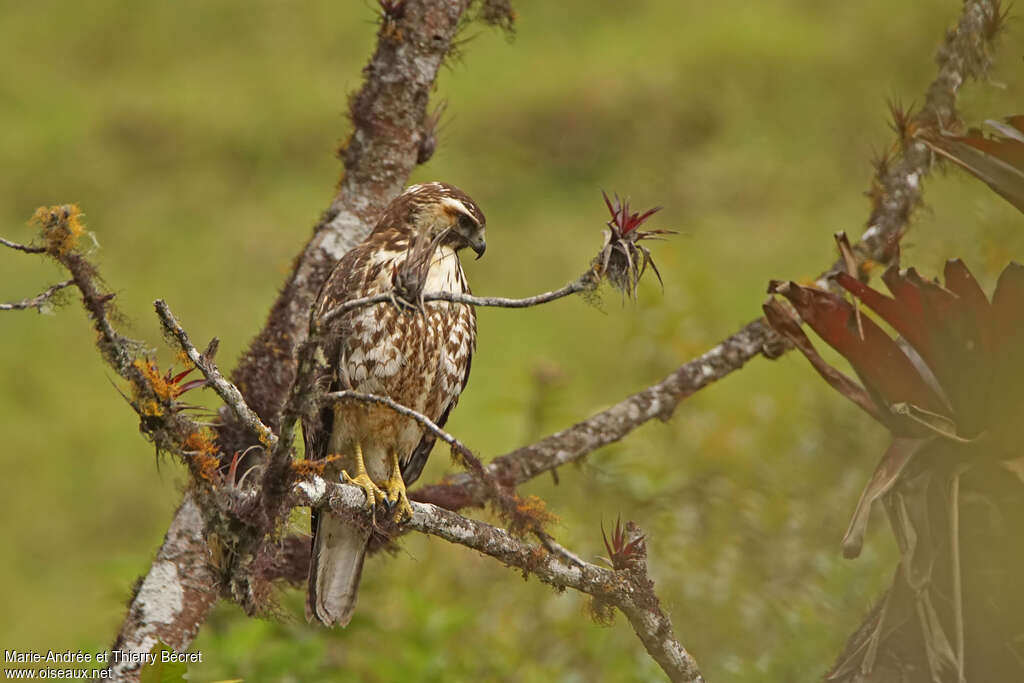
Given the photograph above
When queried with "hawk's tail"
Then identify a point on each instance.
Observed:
(338, 552)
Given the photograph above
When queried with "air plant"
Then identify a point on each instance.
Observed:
(622, 259)
(950, 389)
(624, 549)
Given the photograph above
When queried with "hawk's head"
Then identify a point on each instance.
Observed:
(438, 214)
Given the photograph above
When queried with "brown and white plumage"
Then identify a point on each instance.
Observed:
(418, 355)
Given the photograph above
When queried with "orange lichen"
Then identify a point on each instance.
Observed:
(150, 408)
(201, 442)
(531, 513)
(201, 447)
(304, 469)
(158, 384)
(61, 227)
(182, 358)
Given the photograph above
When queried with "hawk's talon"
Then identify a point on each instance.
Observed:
(394, 491)
(363, 481)
(403, 305)
(374, 494)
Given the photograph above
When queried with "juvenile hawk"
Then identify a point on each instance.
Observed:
(418, 355)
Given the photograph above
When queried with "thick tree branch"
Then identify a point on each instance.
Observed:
(172, 601)
(630, 590)
(39, 300)
(608, 426)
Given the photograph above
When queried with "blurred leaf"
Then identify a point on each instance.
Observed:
(997, 160)
(887, 372)
(786, 325)
(888, 471)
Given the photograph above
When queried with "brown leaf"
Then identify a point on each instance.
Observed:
(785, 324)
(892, 464)
(886, 371)
(998, 161)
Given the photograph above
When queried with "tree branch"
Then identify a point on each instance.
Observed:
(228, 392)
(172, 602)
(630, 590)
(611, 425)
(420, 418)
(22, 247)
(39, 300)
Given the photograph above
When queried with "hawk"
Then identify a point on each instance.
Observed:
(418, 354)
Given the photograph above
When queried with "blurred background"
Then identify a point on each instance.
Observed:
(198, 138)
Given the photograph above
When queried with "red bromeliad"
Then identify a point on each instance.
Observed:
(950, 389)
(623, 260)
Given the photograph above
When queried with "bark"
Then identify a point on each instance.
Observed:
(172, 602)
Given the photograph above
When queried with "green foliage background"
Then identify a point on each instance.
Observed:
(198, 138)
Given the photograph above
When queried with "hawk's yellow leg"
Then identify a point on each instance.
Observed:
(363, 481)
(394, 489)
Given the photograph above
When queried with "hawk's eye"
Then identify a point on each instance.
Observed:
(466, 224)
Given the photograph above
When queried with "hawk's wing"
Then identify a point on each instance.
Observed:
(348, 280)
(413, 467)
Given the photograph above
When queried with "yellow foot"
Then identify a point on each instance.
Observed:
(395, 490)
(373, 492)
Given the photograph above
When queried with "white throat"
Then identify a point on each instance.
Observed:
(445, 272)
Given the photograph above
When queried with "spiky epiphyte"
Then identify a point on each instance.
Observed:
(950, 391)
(624, 549)
(622, 259)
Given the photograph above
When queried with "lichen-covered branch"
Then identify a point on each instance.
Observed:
(38, 301)
(898, 186)
(172, 601)
(228, 392)
(612, 424)
(630, 590)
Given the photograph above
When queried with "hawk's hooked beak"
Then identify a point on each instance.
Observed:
(477, 244)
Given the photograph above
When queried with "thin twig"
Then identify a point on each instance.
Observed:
(38, 300)
(455, 297)
(22, 247)
(225, 389)
(422, 419)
